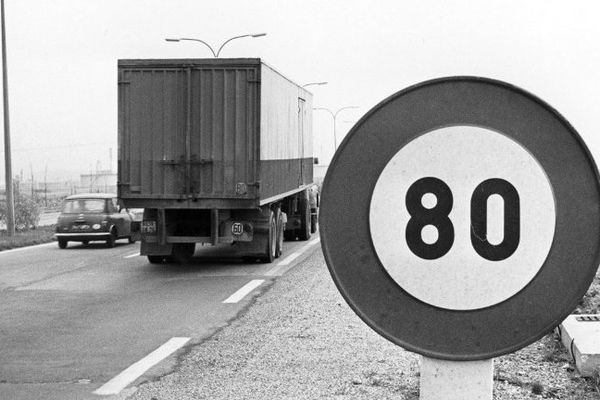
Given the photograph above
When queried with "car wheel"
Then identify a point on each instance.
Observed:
(85, 242)
(110, 242)
(62, 244)
(131, 239)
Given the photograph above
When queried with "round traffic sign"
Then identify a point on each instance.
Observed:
(460, 218)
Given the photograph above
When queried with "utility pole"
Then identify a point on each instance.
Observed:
(10, 200)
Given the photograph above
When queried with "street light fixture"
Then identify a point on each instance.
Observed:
(334, 116)
(315, 84)
(216, 54)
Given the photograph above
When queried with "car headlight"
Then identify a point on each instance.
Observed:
(96, 226)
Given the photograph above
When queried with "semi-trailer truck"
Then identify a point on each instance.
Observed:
(216, 151)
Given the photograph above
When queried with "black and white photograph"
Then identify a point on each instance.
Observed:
(300, 200)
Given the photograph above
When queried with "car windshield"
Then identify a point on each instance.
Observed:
(84, 206)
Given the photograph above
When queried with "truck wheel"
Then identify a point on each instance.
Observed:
(271, 240)
(289, 235)
(279, 232)
(62, 244)
(183, 252)
(155, 259)
(314, 223)
(304, 208)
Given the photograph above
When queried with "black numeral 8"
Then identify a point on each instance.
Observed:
(438, 217)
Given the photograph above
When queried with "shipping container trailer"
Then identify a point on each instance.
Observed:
(215, 151)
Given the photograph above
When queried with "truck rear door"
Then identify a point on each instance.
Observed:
(188, 133)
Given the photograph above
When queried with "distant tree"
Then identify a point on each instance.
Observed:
(27, 211)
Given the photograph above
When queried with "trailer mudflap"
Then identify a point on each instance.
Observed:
(155, 249)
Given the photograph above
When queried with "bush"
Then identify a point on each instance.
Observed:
(27, 212)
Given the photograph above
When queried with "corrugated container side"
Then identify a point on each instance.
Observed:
(286, 153)
(188, 132)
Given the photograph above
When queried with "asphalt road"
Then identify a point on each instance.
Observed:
(72, 320)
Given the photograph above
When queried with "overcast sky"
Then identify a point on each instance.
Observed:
(63, 55)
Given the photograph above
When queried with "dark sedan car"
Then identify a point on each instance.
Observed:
(92, 217)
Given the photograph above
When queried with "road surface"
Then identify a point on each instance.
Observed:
(73, 320)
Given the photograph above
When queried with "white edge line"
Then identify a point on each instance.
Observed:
(132, 255)
(286, 261)
(244, 290)
(290, 258)
(130, 374)
(28, 247)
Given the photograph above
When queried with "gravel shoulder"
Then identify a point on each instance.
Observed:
(300, 340)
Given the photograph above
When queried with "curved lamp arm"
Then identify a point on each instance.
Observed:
(195, 40)
(237, 37)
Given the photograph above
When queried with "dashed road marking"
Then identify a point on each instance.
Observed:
(132, 255)
(244, 290)
(120, 382)
(284, 265)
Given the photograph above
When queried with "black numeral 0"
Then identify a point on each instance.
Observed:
(436, 216)
(512, 218)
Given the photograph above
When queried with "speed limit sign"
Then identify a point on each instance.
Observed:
(460, 218)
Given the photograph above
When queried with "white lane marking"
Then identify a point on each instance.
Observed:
(28, 247)
(132, 255)
(280, 268)
(244, 290)
(119, 382)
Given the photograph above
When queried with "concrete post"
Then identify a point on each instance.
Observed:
(456, 380)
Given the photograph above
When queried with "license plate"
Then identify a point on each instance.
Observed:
(148, 227)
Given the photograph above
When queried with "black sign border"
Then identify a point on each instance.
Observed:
(449, 334)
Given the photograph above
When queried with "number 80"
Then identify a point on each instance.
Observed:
(438, 217)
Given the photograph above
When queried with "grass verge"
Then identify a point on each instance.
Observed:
(42, 234)
(545, 369)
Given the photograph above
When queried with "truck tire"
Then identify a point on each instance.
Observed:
(279, 231)
(289, 235)
(314, 223)
(156, 259)
(304, 209)
(271, 246)
(182, 252)
(62, 243)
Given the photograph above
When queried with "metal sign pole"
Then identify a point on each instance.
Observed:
(456, 380)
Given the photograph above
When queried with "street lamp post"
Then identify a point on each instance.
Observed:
(334, 116)
(10, 201)
(216, 54)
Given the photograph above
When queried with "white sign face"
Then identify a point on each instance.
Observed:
(462, 217)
